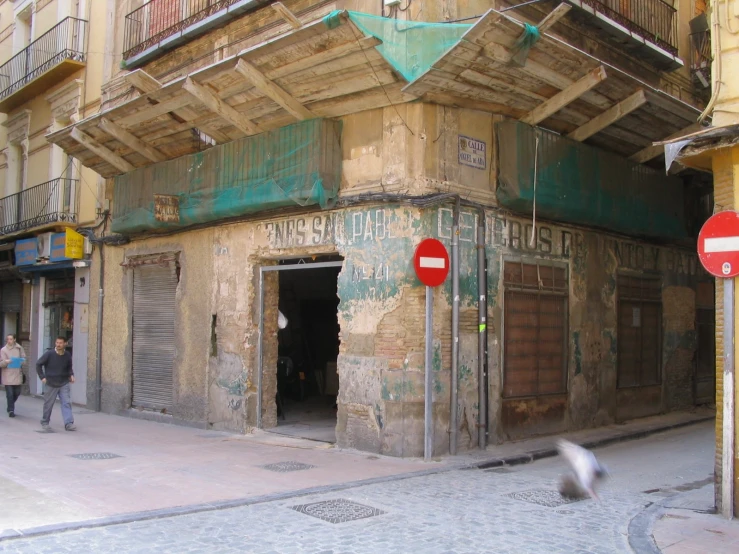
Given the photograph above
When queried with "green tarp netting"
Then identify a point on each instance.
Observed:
(296, 165)
(411, 47)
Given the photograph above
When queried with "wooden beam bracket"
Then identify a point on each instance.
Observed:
(610, 116)
(130, 140)
(565, 97)
(211, 100)
(270, 89)
(287, 15)
(105, 153)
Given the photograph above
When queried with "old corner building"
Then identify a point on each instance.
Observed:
(272, 162)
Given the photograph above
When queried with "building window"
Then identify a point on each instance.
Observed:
(535, 329)
(639, 331)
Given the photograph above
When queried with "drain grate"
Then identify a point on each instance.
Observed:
(284, 467)
(543, 497)
(83, 411)
(338, 511)
(499, 470)
(95, 456)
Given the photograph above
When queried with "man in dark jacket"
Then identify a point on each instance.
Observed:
(55, 371)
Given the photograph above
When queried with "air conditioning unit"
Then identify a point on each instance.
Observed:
(43, 245)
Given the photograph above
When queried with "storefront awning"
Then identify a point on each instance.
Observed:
(349, 62)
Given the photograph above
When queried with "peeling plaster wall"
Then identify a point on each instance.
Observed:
(414, 149)
(192, 329)
(593, 260)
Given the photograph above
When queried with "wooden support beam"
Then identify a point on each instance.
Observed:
(155, 110)
(105, 153)
(610, 116)
(565, 97)
(652, 151)
(287, 15)
(142, 81)
(130, 140)
(268, 88)
(211, 100)
(555, 15)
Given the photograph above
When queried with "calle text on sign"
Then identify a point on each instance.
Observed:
(167, 208)
(472, 152)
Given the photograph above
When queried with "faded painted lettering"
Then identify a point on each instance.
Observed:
(301, 231)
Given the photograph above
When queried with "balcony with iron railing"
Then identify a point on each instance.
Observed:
(700, 58)
(49, 204)
(162, 24)
(49, 59)
(648, 26)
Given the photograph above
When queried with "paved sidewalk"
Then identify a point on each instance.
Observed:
(686, 525)
(161, 469)
(502, 510)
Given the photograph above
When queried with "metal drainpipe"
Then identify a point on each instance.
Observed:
(99, 345)
(453, 425)
(482, 332)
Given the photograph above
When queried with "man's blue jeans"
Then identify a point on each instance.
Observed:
(50, 395)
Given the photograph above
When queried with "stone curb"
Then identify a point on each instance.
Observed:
(516, 459)
(532, 456)
(641, 540)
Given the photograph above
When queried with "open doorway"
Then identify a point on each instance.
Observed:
(308, 348)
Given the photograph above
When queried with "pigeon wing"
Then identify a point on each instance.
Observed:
(582, 461)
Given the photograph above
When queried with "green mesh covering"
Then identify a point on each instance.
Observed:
(296, 165)
(524, 43)
(411, 47)
(581, 184)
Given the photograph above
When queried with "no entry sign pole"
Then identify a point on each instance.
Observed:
(431, 262)
(718, 251)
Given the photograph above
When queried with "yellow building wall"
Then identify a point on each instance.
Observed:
(726, 66)
(6, 31)
(726, 197)
(45, 18)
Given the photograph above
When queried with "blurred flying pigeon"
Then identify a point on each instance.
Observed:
(586, 468)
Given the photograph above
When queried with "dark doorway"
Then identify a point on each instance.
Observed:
(308, 347)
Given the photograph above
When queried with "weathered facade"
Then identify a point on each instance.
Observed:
(51, 73)
(592, 284)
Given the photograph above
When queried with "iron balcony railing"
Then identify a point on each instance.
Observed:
(158, 19)
(64, 41)
(700, 52)
(48, 203)
(653, 20)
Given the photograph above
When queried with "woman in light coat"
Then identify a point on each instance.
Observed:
(12, 377)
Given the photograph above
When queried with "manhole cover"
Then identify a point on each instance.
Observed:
(543, 497)
(95, 456)
(284, 467)
(338, 511)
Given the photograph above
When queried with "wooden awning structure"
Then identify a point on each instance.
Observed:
(322, 70)
(559, 87)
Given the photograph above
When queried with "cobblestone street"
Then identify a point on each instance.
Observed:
(508, 509)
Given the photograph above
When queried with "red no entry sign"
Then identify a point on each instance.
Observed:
(718, 244)
(431, 262)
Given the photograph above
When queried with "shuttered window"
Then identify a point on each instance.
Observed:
(535, 330)
(11, 296)
(154, 291)
(639, 331)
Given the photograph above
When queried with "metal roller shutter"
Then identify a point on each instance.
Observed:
(10, 297)
(154, 291)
